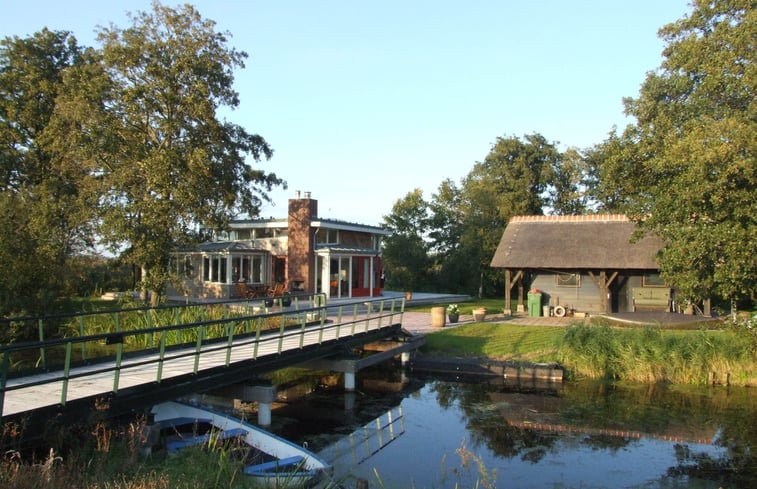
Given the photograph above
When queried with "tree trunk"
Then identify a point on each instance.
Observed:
(144, 293)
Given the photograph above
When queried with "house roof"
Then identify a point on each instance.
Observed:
(338, 248)
(316, 223)
(218, 246)
(575, 242)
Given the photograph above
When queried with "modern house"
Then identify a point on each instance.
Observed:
(300, 253)
(582, 263)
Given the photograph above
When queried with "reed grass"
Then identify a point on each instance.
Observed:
(652, 354)
(106, 457)
(647, 355)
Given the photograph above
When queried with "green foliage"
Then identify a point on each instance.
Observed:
(686, 169)
(45, 213)
(123, 143)
(460, 228)
(652, 355)
(405, 252)
(175, 162)
(512, 180)
(179, 326)
(645, 355)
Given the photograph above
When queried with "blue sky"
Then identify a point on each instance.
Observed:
(364, 101)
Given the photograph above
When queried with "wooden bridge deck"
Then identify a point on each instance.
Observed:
(151, 370)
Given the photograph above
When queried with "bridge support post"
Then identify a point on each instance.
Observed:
(264, 395)
(349, 401)
(349, 381)
(258, 390)
(405, 358)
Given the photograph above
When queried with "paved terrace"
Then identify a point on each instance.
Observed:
(420, 322)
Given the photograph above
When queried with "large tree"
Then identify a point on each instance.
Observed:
(512, 180)
(168, 162)
(687, 166)
(406, 252)
(46, 213)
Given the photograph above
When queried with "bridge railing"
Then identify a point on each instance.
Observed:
(139, 317)
(244, 327)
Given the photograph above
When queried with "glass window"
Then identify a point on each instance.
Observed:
(215, 268)
(652, 280)
(327, 236)
(257, 269)
(568, 279)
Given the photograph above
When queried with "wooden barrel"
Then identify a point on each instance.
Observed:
(438, 317)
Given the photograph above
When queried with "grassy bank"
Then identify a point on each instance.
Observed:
(647, 355)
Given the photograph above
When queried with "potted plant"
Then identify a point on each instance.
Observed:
(479, 313)
(453, 313)
(286, 299)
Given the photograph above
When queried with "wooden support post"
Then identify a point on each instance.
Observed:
(521, 291)
(603, 284)
(508, 286)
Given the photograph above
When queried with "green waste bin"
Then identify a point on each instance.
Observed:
(534, 304)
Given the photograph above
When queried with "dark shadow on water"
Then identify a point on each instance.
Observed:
(708, 433)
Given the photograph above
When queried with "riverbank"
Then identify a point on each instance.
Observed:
(681, 351)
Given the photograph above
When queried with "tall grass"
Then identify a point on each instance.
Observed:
(178, 326)
(104, 457)
(646, 355)
(652, 354)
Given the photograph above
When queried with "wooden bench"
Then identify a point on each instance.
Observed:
(654, 298)
(175, 446)
(274, 465)
(175, 422)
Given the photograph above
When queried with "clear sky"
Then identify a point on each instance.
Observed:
(364, 101)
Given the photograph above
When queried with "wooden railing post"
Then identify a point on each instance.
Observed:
(3, 380)
(42, 359)
(117, 373)
(161, 356)
(66, 372)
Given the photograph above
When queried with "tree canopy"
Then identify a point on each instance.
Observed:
(405, 252)
(460, 227)
(123, 144)
(174, 163)
(686, 169)
(45, 213)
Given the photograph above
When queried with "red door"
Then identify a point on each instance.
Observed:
(361, 276)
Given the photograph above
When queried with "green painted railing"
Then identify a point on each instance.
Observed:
(242, 325)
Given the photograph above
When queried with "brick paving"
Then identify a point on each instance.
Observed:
(420, 322)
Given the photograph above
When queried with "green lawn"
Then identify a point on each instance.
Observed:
(496, 340)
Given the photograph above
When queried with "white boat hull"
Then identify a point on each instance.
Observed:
(304, 467)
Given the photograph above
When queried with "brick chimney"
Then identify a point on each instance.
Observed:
(300, 255)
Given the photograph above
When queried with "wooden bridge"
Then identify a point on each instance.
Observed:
(124, 370)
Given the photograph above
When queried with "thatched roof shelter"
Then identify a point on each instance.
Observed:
(600, 247)
(575, 242)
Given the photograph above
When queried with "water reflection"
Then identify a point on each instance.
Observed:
(461, 432)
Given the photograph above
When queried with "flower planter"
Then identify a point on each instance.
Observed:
(453, 318)
(479, 314)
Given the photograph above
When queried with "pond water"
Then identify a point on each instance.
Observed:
(401, 430)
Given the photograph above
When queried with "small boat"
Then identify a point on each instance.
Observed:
(272, 461)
